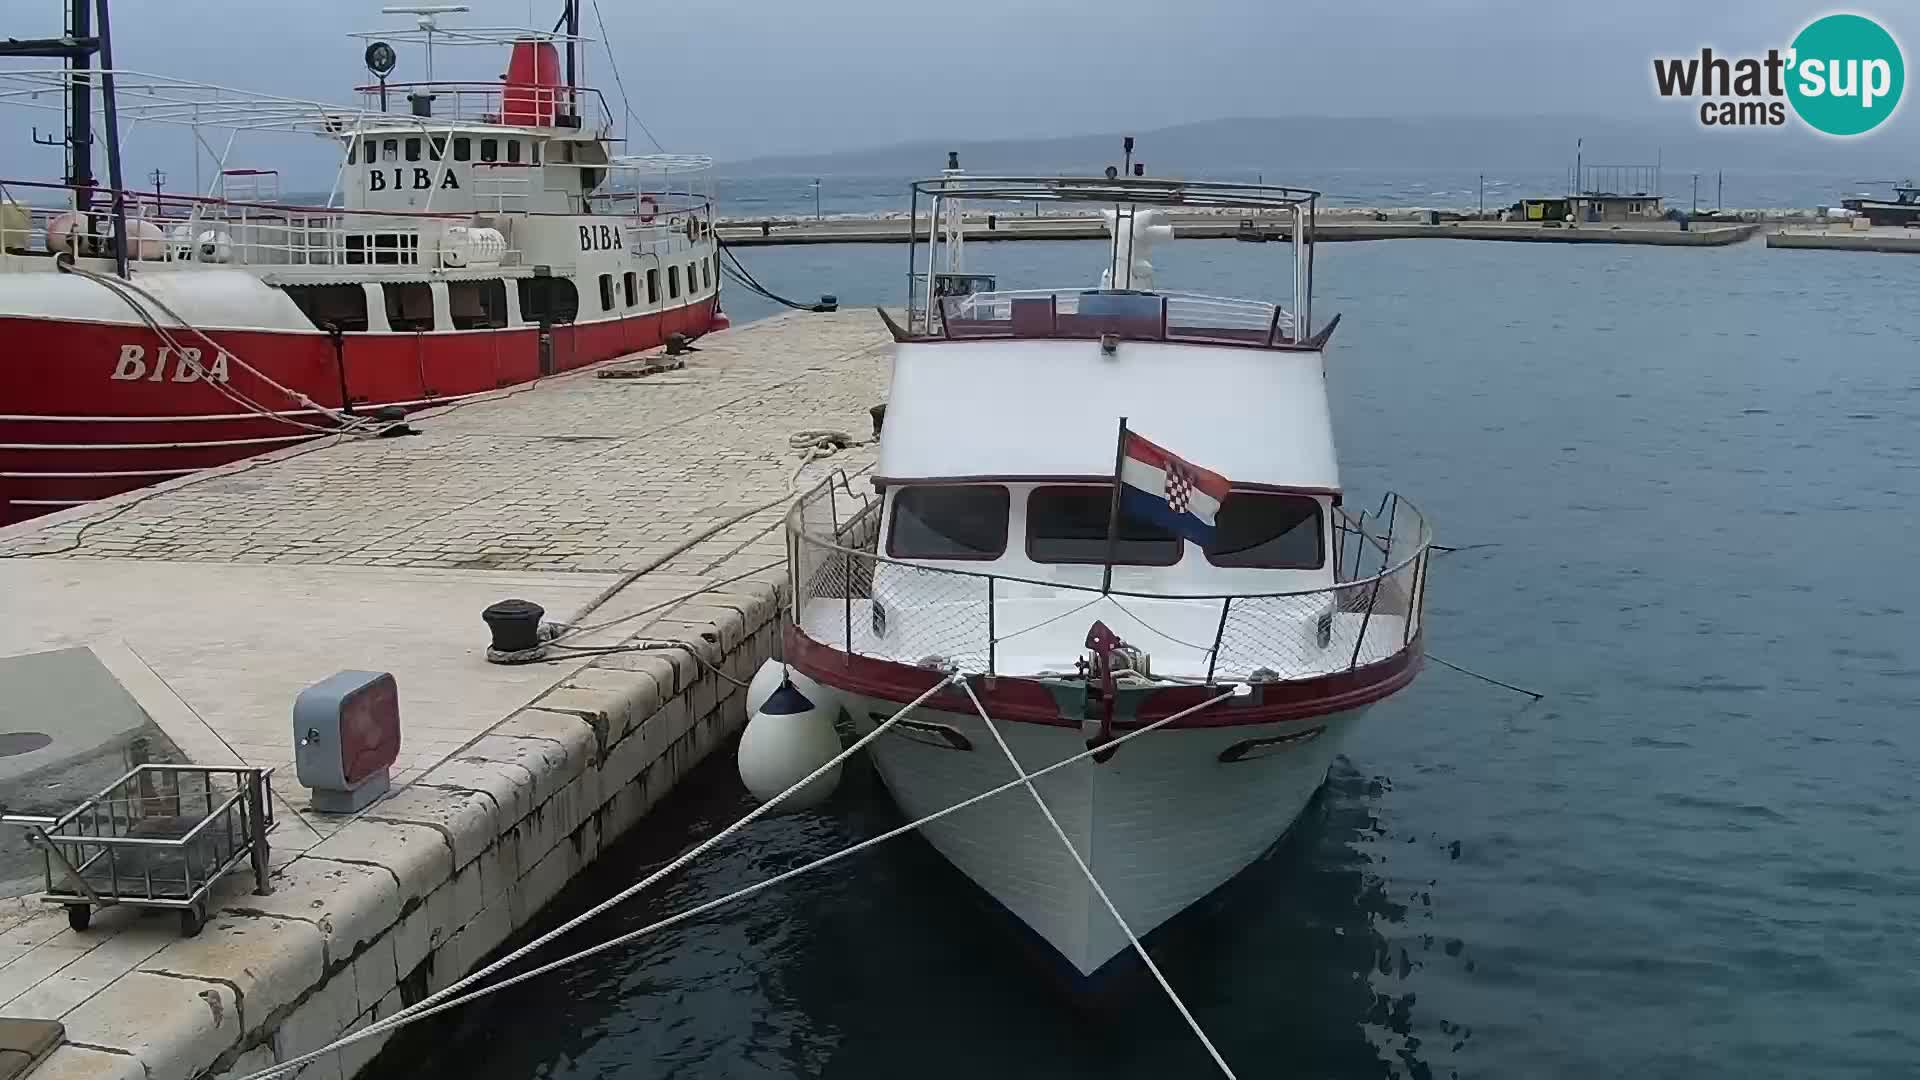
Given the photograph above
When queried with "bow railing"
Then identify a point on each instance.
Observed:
(852, 599)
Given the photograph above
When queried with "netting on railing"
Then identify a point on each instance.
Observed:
(850, 598)
(921, 615)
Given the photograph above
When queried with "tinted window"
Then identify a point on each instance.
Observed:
(413, 149)
(489, 149)
(550, 300)
(534, 148)
(409, 306)
(1276, 531)
(606, 292)
(706, 275)
(513, 151)
(673, 282)
(1069, 525)
(353, 152)
(960, 521)
(462, 149)
(477, 305)
(632, 288)
(439, 147)
(343, 306)
(653, 286)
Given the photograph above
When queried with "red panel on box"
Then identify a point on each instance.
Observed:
(370, 730)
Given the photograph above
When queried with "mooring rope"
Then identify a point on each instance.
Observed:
(420, 1008)
(1098, 889)
(441, 1002)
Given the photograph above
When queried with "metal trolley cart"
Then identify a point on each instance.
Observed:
(161, 836)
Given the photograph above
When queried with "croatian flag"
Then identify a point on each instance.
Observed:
(1173, 493)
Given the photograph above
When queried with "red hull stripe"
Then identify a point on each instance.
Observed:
(1031, 702)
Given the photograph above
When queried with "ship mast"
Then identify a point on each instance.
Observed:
(77, 47)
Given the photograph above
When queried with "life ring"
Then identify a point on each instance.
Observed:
(648, 208)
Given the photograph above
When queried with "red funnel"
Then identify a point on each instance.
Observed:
(532, 94)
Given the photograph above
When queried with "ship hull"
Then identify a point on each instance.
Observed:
(95, 408)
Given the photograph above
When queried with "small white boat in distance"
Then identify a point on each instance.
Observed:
(1104, 507)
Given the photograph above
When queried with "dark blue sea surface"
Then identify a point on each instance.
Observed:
(1694, 473)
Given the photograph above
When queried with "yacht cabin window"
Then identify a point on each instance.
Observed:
(673, 283)
(489, 149)
(1068, 524)
(390, 150)
(1270, 530)
(653, 286)
(513, 151)
(533, 148)
(438, 147)
(413, 149)
(353, 152)
(948, 521)
(463, 149)
(631, 286)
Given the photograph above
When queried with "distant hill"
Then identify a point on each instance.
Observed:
(1273, 144)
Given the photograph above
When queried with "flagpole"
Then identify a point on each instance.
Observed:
(1113, 511)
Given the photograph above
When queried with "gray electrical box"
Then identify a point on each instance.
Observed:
(346, 736)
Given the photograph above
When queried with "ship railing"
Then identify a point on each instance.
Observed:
(216, 234)
(489, 103)
(850, 598)
(657, 222)
(1136, 316)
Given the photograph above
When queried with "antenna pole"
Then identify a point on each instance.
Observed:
(573, 33)
(80, 118)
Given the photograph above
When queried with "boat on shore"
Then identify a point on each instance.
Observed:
(478, 235)
(1101, 510)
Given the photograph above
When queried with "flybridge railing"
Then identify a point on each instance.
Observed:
(226, 232)
(1136, 316)
(490, 103)
(1122, 196)
(850, 598)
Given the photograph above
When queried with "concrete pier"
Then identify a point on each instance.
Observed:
(1882, 238)
(895, 230)
(214, 599)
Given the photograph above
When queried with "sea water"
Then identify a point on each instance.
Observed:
(1684, 481)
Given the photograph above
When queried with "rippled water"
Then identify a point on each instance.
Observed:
(1696, 857)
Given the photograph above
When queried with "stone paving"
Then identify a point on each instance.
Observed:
(214, 598)
(576, 473)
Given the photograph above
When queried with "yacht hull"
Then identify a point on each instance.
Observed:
(1165, 821)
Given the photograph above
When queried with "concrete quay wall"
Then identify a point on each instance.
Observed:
(213, 599)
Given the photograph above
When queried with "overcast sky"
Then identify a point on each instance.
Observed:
(739, 78)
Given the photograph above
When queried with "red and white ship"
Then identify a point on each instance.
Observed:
(478, 235)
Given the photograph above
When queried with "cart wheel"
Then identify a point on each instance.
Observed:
(79, 916)
(191, 920)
